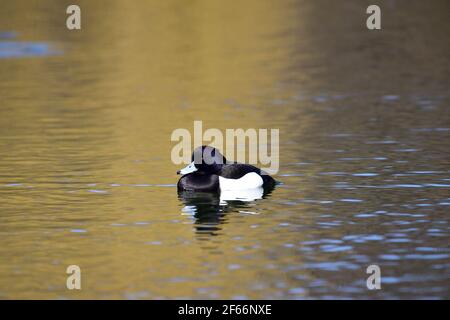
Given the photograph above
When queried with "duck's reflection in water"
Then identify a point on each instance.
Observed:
(209, 210)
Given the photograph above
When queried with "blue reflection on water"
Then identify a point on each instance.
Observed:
(8, 34)
(21, 49)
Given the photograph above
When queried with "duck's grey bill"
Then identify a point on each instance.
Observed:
(189, 169)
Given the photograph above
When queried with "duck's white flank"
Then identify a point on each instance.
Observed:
(249, 181)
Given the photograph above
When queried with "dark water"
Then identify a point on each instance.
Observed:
(86, 176)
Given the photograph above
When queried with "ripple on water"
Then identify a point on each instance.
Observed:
(390, 97)
(335, 248)
(141, 223)
(430, 249)
(351, 200)
(78, 230)
(426, 256)
(382, 142)
(98, 191)
(430, 129)
(331, 266)
(407, 150)
(365, 174)
(333, 173)
(154, 243)
(299, 291)
(362, 238)
(23, 49)
(234, 266)
(365, 215)
(8, 34)
(390, 257)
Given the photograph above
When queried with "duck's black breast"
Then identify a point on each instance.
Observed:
(199, 182)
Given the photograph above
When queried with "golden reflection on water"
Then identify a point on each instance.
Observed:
(85, 170)
(102, 113)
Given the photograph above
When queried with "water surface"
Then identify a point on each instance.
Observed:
(85, 170)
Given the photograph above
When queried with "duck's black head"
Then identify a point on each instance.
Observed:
(206, 160)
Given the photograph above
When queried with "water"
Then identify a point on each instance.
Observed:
(85, 170)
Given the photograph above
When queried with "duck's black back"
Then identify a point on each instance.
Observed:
(238, 170)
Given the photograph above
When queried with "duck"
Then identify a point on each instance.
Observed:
(210, 171)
